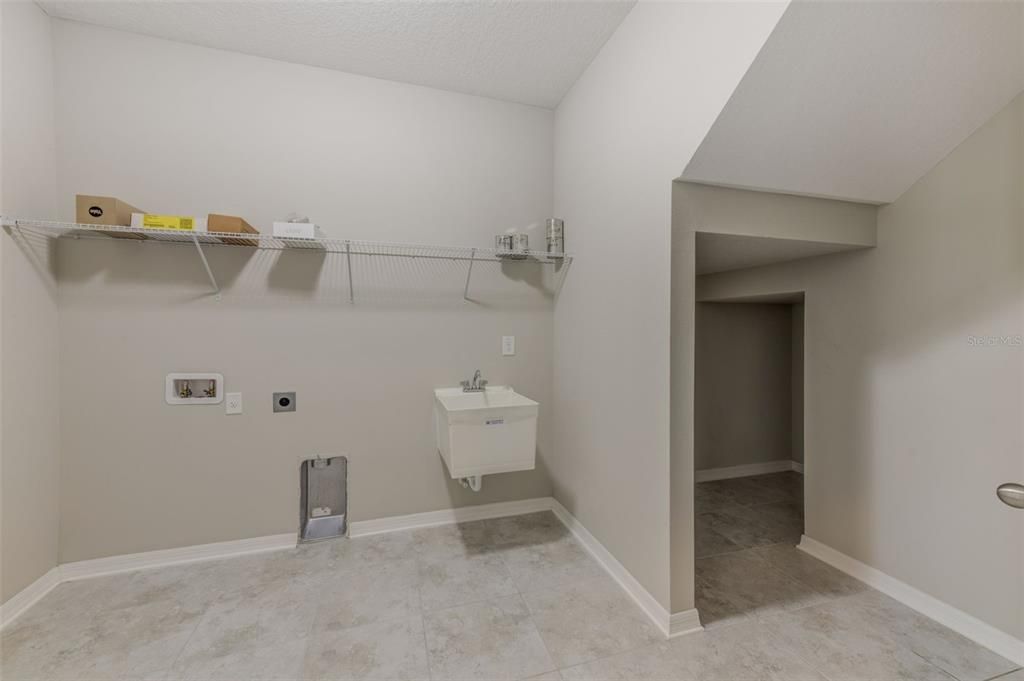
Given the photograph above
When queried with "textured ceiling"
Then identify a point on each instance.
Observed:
(527, 52)
(858, 100)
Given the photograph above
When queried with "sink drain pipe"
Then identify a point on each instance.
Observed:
(473, 482)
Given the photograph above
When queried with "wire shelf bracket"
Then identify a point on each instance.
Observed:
(469, 273)
(206, 266)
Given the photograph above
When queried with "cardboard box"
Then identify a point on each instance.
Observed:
(183, 223)
(231, 225)
(105, 210)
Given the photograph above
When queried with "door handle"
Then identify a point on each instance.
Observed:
(1011, 494)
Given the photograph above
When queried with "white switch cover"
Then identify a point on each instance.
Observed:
(233, 403)
(508, 345)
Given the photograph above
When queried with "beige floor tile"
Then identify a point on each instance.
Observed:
(391, 651)
(138, 640)
(745, 652)
(832, 639)
(491, 640)
(716, 607)
(350, 599)
(809, 571)
(350, 609)
(366, 553)
(1017, 675)
(267, 615)
(529, 528)
(746, 491)
(543, 566)
(946, 649)
(444, 583)
(739, 525)
(707, 500)
(770, 523)
(657, 662)
(80, 597)
(740, 583)
(708, 542)
(194, 586)
(279, 662)
(37, 647)
(589, 620)
(456, 540)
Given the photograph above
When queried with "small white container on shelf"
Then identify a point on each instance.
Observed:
(297, 230)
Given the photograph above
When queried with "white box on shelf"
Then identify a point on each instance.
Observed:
(296, 230)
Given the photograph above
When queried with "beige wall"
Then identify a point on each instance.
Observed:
(740, 212)
(28, 360)
(797, 381)
(703, 208)
(365, 158)
(911, 421)
(625, 130)
(743, 384)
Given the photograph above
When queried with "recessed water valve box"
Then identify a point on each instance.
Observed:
(194, 388)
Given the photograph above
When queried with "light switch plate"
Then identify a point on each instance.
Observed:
(233, 403)
(508, 345)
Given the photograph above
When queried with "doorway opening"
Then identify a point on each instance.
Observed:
(748, 456)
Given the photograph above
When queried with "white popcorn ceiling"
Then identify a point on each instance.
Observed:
(526, 52)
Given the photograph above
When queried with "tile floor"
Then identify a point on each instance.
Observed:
(511, 598)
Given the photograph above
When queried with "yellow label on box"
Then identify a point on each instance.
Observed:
(167, 222)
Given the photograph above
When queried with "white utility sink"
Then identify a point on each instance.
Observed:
(490, 431)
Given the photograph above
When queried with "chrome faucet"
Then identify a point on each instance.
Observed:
(476, 385)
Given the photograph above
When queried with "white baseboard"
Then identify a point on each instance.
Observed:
(464, 514)
(959, 621)
(29, 596)
(746, 470)
(97, 567)
(669, 624)
(687, 621)
(673, 625)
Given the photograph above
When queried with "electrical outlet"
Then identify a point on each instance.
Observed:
(508, 345)
(284, 401)
(233, 403)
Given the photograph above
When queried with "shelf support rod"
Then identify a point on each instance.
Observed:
(348, 266)
(206, 264)
(469, 273)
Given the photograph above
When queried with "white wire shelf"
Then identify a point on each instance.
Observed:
(347, 247)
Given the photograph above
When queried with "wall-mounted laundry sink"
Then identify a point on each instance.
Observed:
(492, 430)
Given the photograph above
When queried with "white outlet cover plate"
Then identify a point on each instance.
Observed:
(508, 345)
(233, 403)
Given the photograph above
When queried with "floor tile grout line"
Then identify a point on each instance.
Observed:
(633, 649)
(533, 622)
(559, 588)
(184, 646)
(930, 663)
